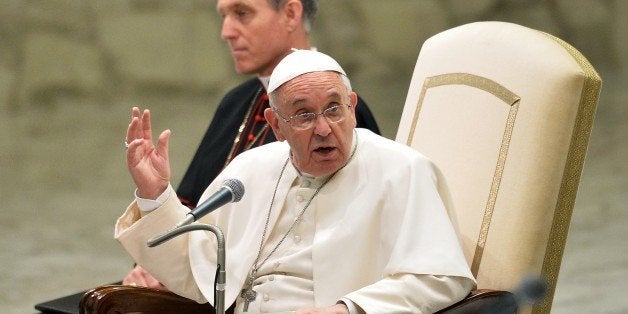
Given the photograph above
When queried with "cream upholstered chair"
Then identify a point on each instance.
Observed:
(505, 111)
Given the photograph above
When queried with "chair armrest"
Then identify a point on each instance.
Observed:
(125, 299)
(484, 301)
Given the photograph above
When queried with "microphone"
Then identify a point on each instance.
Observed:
(232, 190)
(530, 291)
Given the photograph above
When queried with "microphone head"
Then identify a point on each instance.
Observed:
(236, 187)
(531, 290)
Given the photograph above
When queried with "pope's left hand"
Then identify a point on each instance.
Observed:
(339, 308)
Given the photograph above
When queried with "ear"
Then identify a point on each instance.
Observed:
(293, 11)
(273, 121)
(353, 98)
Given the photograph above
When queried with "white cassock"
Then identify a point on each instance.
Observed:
(377, 233)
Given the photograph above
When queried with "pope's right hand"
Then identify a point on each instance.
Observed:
(149, 165)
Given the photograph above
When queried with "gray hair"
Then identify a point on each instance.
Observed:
(310, 7)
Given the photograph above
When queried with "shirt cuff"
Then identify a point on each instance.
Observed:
(148, 205)
(353, 308)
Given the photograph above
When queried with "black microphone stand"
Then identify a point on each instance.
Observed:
(221, 277)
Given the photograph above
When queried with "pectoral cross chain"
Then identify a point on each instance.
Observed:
(247, 293)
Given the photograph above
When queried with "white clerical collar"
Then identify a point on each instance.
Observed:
(264, 80)
(305, 180)
(306, 177)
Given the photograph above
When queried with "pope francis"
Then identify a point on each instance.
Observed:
(335, 219)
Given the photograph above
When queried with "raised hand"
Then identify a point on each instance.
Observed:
(149, 165)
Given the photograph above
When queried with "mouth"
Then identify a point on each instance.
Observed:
(235, 50)
(324, 151)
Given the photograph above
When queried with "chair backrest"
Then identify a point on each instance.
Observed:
(505, 111)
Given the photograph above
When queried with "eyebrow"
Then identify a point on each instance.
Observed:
(331, 96)
(232, 6)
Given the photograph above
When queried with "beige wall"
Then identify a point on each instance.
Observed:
(71, 70)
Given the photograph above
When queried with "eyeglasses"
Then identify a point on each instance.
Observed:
(306, 120)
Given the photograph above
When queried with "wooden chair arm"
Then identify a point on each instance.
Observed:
(484, 301)
(125, 299)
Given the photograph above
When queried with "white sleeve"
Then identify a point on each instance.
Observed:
(147, 205)
(353, 308)
(411, 293)
(170, 264)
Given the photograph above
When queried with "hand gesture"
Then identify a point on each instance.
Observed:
(149, 165)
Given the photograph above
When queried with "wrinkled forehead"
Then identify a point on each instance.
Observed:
(222, 6)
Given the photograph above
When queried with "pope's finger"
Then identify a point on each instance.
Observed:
(162, 143)
(135, 112)
(131, 131)
(132, 152)
(146, 125)
(138, 130)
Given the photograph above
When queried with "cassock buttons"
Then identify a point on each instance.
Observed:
(266, 297)
(297, 239)
(300, 198)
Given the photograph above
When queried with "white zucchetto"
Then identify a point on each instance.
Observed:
(299, 62)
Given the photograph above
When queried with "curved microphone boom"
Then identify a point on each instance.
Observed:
(232, 190)
(221, 273)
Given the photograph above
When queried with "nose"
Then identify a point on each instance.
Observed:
(321, 126)
(228, 30)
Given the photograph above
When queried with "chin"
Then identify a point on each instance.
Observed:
(325, 171)
(244, 70)
(243, 67)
